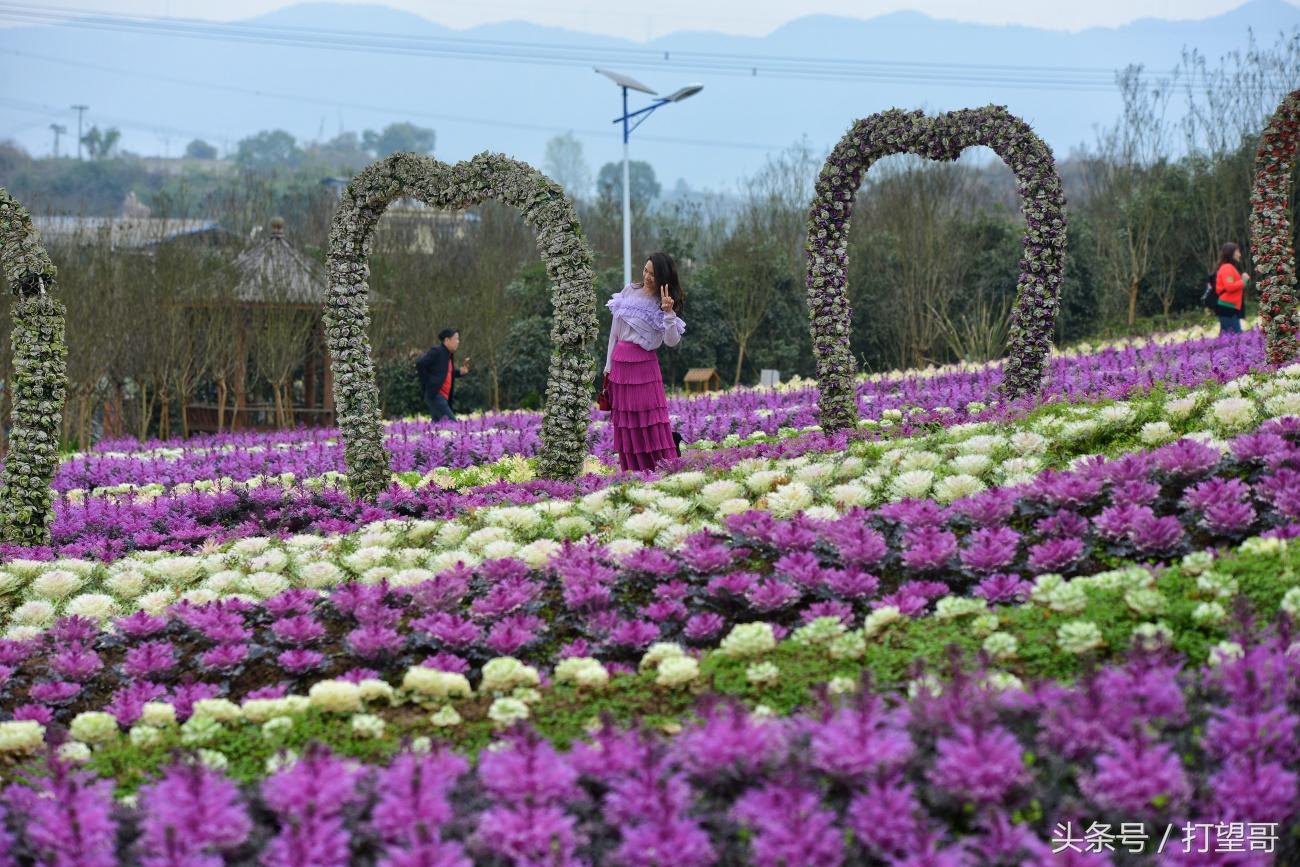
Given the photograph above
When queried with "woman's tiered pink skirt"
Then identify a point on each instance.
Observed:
(643, 434)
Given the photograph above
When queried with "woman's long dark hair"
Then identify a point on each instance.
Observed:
(1227, 255)
(666, 275)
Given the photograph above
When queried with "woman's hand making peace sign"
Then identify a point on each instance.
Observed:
(665, 300)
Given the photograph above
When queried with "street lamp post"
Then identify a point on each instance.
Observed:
(626, 83)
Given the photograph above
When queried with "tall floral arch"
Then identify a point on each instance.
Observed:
(347, 315)
(40, 380)
(941, 137)
(1271, 233)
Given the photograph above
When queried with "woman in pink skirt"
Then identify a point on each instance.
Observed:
(645, 318)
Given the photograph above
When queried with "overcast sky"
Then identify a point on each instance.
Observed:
(640, 19)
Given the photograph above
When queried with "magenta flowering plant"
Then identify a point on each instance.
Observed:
(966, 772)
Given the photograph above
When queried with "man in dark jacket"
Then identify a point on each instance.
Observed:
(438, 374)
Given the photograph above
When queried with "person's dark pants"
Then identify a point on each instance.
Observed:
(439, 408)
(1229, 324)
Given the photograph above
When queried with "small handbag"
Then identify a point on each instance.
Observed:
(602, 399)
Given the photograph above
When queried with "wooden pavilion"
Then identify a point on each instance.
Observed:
(275, 304)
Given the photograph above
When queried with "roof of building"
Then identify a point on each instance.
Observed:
(126, 232)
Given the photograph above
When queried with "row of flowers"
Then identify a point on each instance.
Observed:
(150, 692)
(967, 771)
(857, 572)
(420, 447)
(784, 476)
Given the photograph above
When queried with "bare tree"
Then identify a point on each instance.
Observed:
(763, 256)
(1124, 179)
(914, 211)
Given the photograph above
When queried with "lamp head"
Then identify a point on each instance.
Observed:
(685, 93)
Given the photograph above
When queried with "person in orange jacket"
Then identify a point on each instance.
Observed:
(1230, 289)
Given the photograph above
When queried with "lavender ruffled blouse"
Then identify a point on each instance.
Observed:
(639, 319)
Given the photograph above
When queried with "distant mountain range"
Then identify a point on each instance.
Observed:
(164, 90)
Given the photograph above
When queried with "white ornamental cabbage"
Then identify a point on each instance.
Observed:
(1287, 403)
(764, 481)
(156, 602)
(674, 507)
(790, 499)
(320, 574)
(504, 673)
(984, 444)
(452, 534)
(913, 484)
(251, 546)
(335, 696)
(1116, 415)
(623, 547)
(410, 577)
(956, 487)
(447, 560)
(1180, 408)
(407, 558)
(93, 606)
(1154, 433)
(646, 525)
(480, 539)
(366, 558)
(178, 570)
(538, 553)
(273, 560)
(21, 736)
(377, 539)
(920, 460)
(37, 612)
(127, 584)
(748, 640)
(516, 519)
(851, 494)
(971, 465)
(264, 585)
(56, 584)
(502, 549)
(732, 507)
(716, 493)
(225, 581)
(815, 474)
(1233, 413)
(1028, 443)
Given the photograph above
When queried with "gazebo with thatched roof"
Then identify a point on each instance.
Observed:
(275, 306)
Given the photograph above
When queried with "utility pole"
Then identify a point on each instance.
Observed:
(79, 109)
(59, 129)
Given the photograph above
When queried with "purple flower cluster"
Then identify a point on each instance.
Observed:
(943, 778)
(105, 528)
(1142, 507)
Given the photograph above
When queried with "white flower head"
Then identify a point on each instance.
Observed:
(37, 612)
(56, 584)
(94, 606)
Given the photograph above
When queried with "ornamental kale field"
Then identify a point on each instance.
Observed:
(965, 632)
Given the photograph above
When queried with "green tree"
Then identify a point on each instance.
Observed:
(267, 150)
(198, 149)
(101, 143)
(398, 137)
(642, 186)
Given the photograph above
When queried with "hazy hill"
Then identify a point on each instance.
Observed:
(477, 104)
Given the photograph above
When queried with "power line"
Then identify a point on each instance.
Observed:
(371, 107)
(1083, 79)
